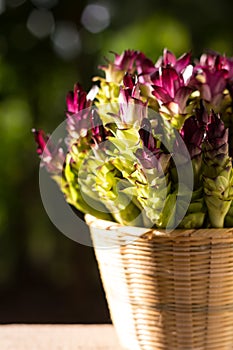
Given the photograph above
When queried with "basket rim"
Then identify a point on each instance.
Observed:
(151, 233)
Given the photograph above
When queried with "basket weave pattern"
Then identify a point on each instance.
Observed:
(170, 291)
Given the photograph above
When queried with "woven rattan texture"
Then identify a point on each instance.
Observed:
(170, 291)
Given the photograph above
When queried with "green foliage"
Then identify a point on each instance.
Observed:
(160, 30)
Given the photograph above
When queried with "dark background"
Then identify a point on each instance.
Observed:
(45, 47)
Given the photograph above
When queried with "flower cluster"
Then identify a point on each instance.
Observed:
(140, 127)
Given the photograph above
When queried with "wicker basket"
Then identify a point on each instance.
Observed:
(170, 291)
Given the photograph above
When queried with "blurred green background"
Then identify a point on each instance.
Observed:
(45, 47)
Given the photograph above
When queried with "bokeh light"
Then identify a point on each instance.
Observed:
(15, 3)
(66, 40)
(40, 23)
(44, 3)
(95, 18)
(2, 6)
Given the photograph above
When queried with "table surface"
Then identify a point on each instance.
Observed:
(58, 337)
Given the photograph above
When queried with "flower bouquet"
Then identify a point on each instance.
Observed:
(148, 162)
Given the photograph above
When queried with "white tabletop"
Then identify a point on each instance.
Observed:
(58, 337)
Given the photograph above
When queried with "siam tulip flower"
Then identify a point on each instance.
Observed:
(214, 79)
(130, 83)
(152, 151)
(181, 65)
(79, 150)
(85, 130)
(82, 120)
(118, 164)
(41, 139)
(128, 64)
(98, 133)
(212, 75)
(107, 101)
(216, 62)
(144, 69)
(131, 62)
(146, 173)
(78, 112)
(104, 183)
(217, 172)
(111, 174)
(121, 104)
(230, 76)
(124, 63)
(76, 100)
(106, 175)
(155, 195)
(149, 142)
(52, 157)
(193, 133)
(132, 110)
(171, 89)
(72, 190)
